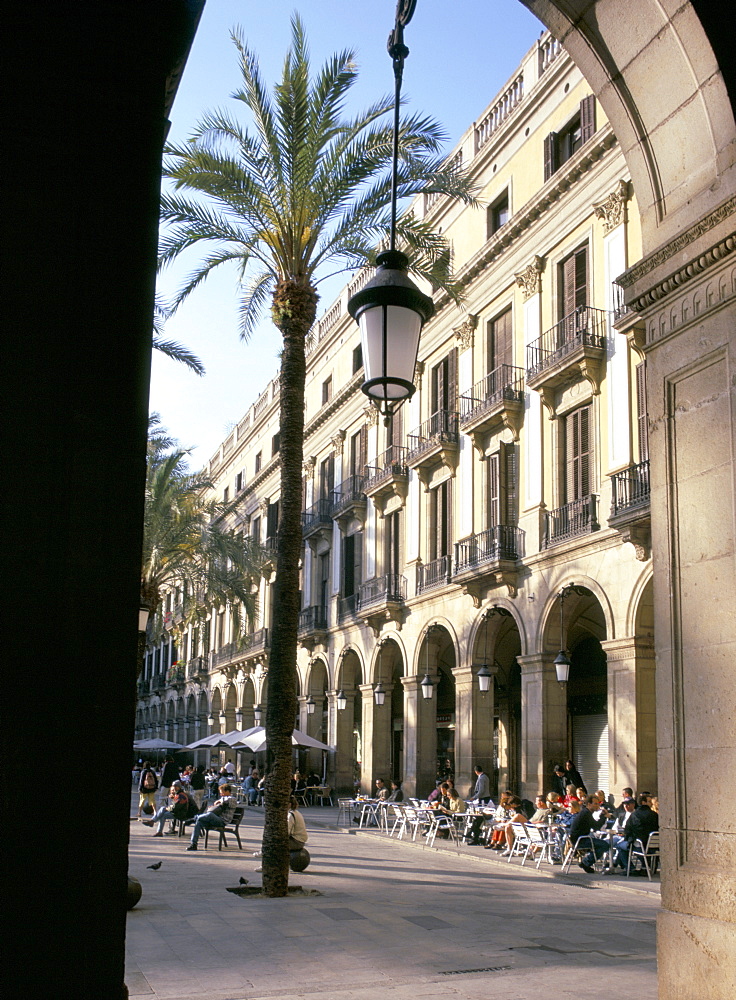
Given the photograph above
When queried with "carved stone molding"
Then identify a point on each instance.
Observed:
(308, 466)
(418, 372)
(612, 211)
(464, 334)
(371, 415)
(697, 299)
(337, 441)
(264, 504)
(530, 279)
(647, 264)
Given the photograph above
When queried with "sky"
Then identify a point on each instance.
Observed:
(461, 53)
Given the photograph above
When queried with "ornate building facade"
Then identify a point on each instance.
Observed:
(500, 516)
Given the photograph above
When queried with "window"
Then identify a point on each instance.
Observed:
(501, 489)
(259, 461)
(560, 146)
(357, 358)
(573, 282)
(352, 564)
(239, 482)
(256, 529)
(226, 494)
(641, 410)
(275, 444)
(358, 450)
(440, 521)
(578, 454)
(392, 542)
(498, 214)
(500, 341)
(327, 477)
(327, 390)
(444, 383)
(272, 520)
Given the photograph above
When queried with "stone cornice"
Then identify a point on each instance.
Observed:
(558, 185)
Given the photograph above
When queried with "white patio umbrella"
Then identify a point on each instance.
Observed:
(255, 740)
(221, 740)
(157, 744)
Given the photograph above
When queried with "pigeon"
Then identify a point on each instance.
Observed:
(156, 866)
(243, 881)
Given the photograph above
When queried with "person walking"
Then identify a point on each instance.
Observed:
(147, 788)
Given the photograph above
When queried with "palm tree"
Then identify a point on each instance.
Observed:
(188, 546)
(177, 352)
(304, 188)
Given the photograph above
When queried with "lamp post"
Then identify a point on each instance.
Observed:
(341, 701)
(562, 660)
(391, 310)
(311, 704)
(257, 714)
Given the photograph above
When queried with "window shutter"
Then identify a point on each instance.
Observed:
(578, 455)
(584, 452)
(491, 346)
(550, 155)
(641, 409)
(494, 491)
(396, 428)
(357, 559)
(568, 286)
(451, 396)
(581, 277)
(348, 566)
(509, 484)
(438, 386)
(587, 118)
(363, 449)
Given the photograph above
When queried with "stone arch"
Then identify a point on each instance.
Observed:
(430, 723)
(348, 721)
(248, 702)
(316, 724)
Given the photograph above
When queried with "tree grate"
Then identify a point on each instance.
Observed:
(467, 972)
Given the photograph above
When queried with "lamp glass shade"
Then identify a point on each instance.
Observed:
(390, 338)
(562, 666)
(143, 619)
(257, 715)
(484, 676)
(210, 721)
(310, 703)
(341, 700)
(379, 694)
(427, 687)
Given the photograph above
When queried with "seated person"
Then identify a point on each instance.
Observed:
(250, 788)
(621, 846)
(501, 815)
(518, 816)
(313, 780)
(643, 822)
(382, 791)
(564, 821)
(298, 783)
(542, 813)
(436, 793)
(570, 793)
(397, 795)
(298, 835)
(474, 831)
(585, 824)
(559, 780)
(181, 805)
(215, 818)
(441, 798)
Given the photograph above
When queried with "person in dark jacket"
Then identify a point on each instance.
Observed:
(559, 781)
(198, 783)
(169, 775)
(573, 776)
(585, 824)
(644, 820)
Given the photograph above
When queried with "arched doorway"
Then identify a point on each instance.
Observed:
(316, 722)
(348, 722)
(430, 722)
(383, 724)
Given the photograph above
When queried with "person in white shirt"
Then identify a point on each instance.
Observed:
(621, 846)
(297, 828)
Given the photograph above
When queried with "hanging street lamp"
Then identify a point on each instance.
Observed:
(311, 704)
(257, 714)
(379, 694)
(562, 660)
(391, 310)
(341, 701)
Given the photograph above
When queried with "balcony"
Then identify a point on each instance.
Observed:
(488, 559)
(382, 599)
(575, 347)
(255, 645)
(347, 609)
(348, 501)
(312, 628)
(435, 445)
(498, 399)
(434, 574)
(387, 477)
(630, 507)
(580, 517)
(197, 668)
(317, 522)
(224, 655)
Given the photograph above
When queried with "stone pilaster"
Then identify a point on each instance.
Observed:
(342, 738)
(543, 721)
(376, 738)
(420, 739)
(474, 714)
(632, 738)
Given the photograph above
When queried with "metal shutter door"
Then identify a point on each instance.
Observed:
(590, 750)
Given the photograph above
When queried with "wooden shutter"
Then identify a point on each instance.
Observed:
(396, 427)
(550, 155)
(578, 457)
(493, 506)
(348, 566)
(438, 385)
(451, 394)
(500, 341)
(509, 484)
(587, 118)
(272, 520)
(574, 282)
(641, 409)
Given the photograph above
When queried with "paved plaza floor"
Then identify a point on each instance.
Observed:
(394, 920)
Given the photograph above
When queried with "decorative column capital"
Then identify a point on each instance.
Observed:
(464, 334)
(612, 211)
(264, 504)
(530, 279)
(371, 415)
(308, 466)
(337, 440)
(418, 372)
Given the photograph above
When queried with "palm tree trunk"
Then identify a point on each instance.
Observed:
(294, 309)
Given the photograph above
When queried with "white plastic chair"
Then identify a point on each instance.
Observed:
(649, 854)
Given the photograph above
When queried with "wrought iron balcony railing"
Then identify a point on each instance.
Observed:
(387, 589)
(347, 494)
(586, 327)
(580, 517)
(502, 384)
(391, 464)
(196, 666)
(312, 619)
(630, 488)
(224, 654)
(499, 543)
(441, 428)
(347, 608)
(434, 574)
(317, 515)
